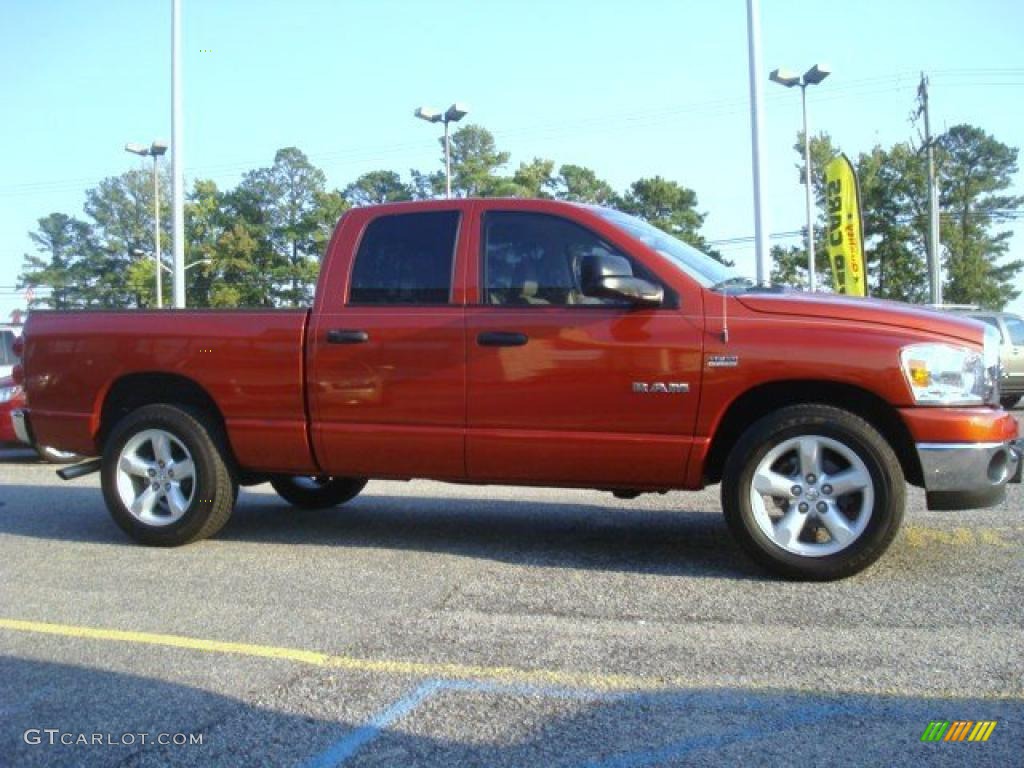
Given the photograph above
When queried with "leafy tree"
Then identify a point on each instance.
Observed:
(893, 191)
(670, 207)
(59, 240)
(975, 171)
(535, 179)
(475, 162)
(377, 187)
(121, 208)
(284, 200)
(577, 184)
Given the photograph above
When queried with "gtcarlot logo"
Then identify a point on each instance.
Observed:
(959, 730)
(54, 736)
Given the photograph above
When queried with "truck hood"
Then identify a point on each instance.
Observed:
(862, 310)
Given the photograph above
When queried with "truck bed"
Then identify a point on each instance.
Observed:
(250, 362)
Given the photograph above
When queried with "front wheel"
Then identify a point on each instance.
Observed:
(813, 492)
(165, 477)
(317, 492)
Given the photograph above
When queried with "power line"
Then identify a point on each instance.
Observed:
(595, 124)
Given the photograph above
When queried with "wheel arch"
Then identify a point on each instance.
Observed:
(135, 390)
(759, 401)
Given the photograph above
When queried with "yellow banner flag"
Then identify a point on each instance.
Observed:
(845, 236)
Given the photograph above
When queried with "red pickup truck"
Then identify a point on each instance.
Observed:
(533, 342)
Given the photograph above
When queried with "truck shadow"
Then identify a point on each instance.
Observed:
(576, 535)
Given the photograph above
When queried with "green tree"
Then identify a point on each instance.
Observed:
(893, 190)
(61, 241)
(282, 204)
(377, 187)
(121, 208)
(670, 207)
(535, 179)
(475, 162)
(975, 172)
(577, 184)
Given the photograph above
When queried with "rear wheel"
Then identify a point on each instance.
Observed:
(165, 478)
(317, 492)
(813, 492)
(1010, 401)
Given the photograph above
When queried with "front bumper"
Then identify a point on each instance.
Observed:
(22, 427)
(969, 475)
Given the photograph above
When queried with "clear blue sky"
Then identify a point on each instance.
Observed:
(627, 88)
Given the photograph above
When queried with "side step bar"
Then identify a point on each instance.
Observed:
(80, 470)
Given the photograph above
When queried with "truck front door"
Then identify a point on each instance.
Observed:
(566, 389)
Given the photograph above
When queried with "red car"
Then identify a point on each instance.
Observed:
(533, 342)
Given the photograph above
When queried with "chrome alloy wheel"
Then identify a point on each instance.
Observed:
(156, 477)
(812, 496)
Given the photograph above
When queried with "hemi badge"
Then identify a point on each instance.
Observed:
(723, 361)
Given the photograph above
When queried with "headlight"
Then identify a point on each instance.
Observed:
(945, 374)
(9, 393)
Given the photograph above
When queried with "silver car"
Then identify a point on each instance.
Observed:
(1011, 352)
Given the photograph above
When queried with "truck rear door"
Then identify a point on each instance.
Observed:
(386, 349)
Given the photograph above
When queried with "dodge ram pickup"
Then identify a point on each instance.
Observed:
(532, 342)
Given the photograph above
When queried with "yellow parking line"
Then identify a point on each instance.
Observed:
(504, 675)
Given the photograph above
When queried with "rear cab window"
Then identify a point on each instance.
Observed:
(406, 259)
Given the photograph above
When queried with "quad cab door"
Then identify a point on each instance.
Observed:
(386, 350)
(567, 389)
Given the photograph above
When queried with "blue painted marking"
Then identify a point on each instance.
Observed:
(335, 755)
(794, 718)
(344, 748)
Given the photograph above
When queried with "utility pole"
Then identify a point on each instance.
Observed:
(934, 264)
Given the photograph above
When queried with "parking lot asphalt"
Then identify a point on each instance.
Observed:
(429, 624)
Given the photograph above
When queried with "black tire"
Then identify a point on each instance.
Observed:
(53, 456)
(213, 489)
(317, 492)
(1010, 401)
(841, 436)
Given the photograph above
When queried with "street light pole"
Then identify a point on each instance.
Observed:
(156, 149)
(812, 76)
(812, 267)
(177, 157)
(453, 114)
(764, 274)
(447, 164)
(156, 235)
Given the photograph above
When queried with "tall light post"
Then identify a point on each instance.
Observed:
(453, 114)
(812, 76)
(762, 255)
(177, 158)
(154, 150)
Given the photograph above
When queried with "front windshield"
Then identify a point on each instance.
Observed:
(698, 265)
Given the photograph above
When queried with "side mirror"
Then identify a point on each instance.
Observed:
(605, 276)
